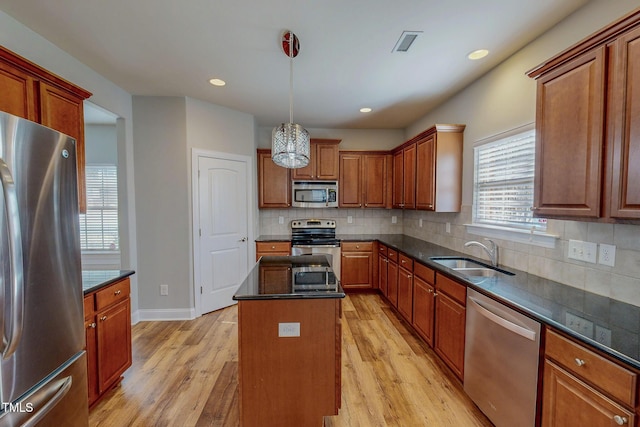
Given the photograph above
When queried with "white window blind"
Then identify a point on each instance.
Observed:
(99, 226)
(503, 185)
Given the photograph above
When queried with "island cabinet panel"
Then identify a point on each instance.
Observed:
(108, 337)
(450, 323)
(33, 93)
(582, 387)
(272, 249)
(289, 380)
(323, 161)
(274, 183)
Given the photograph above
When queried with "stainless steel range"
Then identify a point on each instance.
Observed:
(316, 236)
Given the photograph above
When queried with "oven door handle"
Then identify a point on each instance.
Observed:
(315, 246)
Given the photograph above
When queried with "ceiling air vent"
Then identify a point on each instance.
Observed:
(405, 41)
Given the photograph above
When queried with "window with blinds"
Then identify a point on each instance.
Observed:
(503, 184)
(99, 226)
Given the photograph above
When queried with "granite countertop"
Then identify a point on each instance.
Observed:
(290, 277)
(92, 280)
(274, 238)
(609, 325)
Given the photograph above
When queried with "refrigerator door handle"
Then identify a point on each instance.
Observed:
(48, 406)
(14, 306)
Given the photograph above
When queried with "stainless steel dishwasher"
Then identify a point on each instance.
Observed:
(502, 351)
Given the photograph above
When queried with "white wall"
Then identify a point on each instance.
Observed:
(351, 139)
(101, 144)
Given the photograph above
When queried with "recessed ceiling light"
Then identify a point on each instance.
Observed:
(217, 82)
(365, 110)
(477, 54)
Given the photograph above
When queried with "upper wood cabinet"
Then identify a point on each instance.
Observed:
(363, 180)
(274, 183)
(33, 93)
(587, 127)
(427, 170)
(323, 162)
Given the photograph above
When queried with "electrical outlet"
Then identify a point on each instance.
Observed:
(164, 290)
(447, 227)
(607, 255)
(394, 219)
(580, 325)
(349, 219)
(420, 222)
(291, 329)
(603, 335)
(280, 220)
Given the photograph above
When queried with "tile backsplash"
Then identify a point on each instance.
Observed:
(621, 282)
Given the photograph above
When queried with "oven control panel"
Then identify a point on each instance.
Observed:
(313, 223)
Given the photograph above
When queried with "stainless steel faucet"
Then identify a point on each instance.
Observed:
(493, 252)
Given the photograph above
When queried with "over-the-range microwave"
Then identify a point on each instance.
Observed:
(314, 194)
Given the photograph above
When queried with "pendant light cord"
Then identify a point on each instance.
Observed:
(291, 76)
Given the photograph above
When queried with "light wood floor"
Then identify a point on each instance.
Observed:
(185, 374)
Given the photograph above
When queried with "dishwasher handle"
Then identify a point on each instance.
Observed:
(495, 318)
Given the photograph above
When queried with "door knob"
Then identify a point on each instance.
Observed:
(244, 239)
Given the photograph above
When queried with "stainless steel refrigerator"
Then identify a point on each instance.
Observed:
(43, 375)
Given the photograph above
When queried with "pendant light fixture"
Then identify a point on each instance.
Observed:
(290, 141)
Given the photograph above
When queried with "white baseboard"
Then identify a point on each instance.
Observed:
(164, 314)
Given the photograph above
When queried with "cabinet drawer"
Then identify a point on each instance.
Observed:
(393, 255)
(454, 289)
(611, 378)
(113, 293)
(406, 262)
(357, 246)
(424, 272)
(273, 247)
(89, 306)
(382, 249)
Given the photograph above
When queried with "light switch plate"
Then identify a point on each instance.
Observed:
(289, 329)
(590, 251)
(394, 219)
(349, 219)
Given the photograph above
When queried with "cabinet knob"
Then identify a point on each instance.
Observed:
(103, 318)
(534, 208)
(620, 420)
(408, 276)
(430, 206)
(430, 291)
(92, 325)
(357, 246)
(118, 292)
(580, 362)
(273, 247)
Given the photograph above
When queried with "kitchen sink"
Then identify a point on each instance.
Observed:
(470, 268)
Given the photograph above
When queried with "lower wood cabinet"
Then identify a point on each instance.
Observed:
(108, 334)
(581, 387)
(450, 323)
(356, 268)
(424, 301)
(392, 278)
(405, 288)
(383, 269)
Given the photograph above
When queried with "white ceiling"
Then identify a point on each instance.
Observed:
(172, 48)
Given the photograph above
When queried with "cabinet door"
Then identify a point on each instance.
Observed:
(405, 294)
(274, 185)
(625, 190)
(423, 308)
(409, 197)
(17, 92)
(569, 138)
(114, 343)
(357, 270)
(383, 268)
(92, 357)
(568, 402)
(398, 180)
(327, 166)
(350, 181)
(426, 173)
(64, 112)
(374, 177)
(449, 332)
(392, 283)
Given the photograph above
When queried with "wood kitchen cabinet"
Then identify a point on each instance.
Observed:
(581, 387)
(357, 265)
(323, 161)
(450, 321)
(108, 334)
(383, 269)
(392, 277)
(364, 180)
(33, 93)
(424, 301)
(427, 170)
(405, 287)
(587, 131)
(272, 249)
(274, 182)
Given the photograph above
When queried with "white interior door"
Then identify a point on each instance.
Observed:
(223, 233)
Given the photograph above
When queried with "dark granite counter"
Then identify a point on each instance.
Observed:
(274, 238)
(92, 280)
(290, 277)
(606, 324)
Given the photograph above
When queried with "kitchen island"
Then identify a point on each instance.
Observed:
(290, 342)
